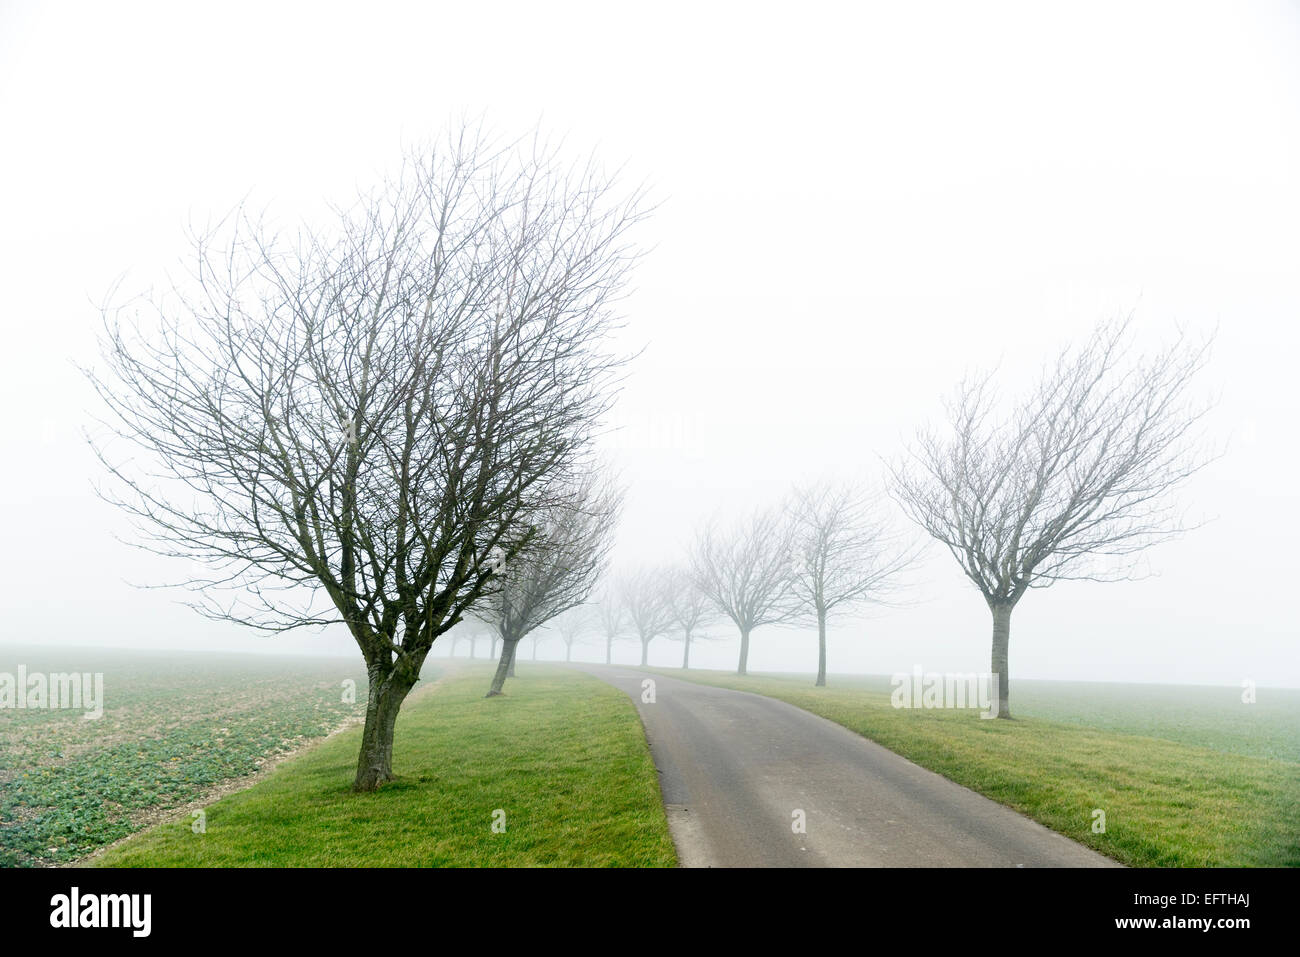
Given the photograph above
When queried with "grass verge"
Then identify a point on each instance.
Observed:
(562, 754)
(1166, 803)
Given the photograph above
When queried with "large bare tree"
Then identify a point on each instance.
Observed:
(744, 570)
(356, 421)
(1072, 483)
(844, 554)
(649, 612)
(557, 572)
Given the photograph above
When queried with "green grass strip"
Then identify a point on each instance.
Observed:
(1166, 803)
(562, 754)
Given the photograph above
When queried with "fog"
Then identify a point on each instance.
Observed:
(858, 204)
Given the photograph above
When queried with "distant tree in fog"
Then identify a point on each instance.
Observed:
(611, 613)
(471, 628)
(689, 608)
(649, 612)
(557, 574)
(843, 554)
(572, 626)
(1077, 473)
(744, 570)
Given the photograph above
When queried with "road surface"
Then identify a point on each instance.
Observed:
(738, 770)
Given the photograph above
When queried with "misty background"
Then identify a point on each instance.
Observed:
(859, 203)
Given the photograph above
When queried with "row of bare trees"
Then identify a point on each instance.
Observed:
(827, 551)
(388, 421)
(823, 553)
(639, 606)
(1074, 482)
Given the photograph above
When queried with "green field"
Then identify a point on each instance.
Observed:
(560, 760)
(1187, 776)
(175, 725)
(1199, 715)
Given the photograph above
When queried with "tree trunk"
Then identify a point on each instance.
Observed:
(686, 655)
(821, 648)
(645, 653)
(534, 651)
(999, 667)
(609, 650)
(744, 652)
(503, 667)
(384, 699)
(514, 656)
(568, 652)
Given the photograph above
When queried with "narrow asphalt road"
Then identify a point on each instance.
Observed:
(739, 770)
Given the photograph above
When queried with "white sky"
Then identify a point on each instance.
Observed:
(861, 201)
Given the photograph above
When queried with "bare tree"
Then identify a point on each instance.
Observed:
(612, 616)
(572, 627)
(745, 572)
(356, 423)
(477, 628)
(481, 628)
(645, 597)
(469, 628)
(557, 574)
(689, 608)
(843, 554)
(535, 639)
(1079, 473)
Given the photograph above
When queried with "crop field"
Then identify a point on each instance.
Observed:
(175, 727)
